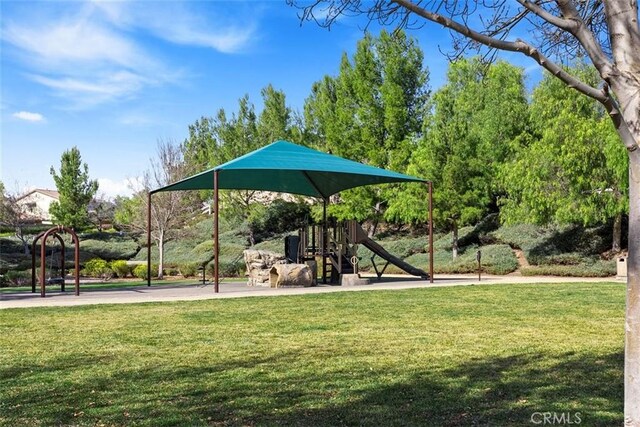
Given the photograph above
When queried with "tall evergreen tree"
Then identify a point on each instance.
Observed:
(75, 188)
(371, 112)
(466, 140)
(274, 122)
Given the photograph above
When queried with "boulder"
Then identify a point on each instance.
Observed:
(291, 276)
(258, 265)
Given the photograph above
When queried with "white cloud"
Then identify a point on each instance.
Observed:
(91, 53)
(176, 23)
(125, 187)
(100, 88)
(29, 116)
(66, 44)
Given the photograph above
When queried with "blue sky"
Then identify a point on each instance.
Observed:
(112, 78)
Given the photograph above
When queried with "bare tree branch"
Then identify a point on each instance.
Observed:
(549, 17)
(586, 37)
(512, 46)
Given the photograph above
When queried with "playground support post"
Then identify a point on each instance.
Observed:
(325, 236)
(216, 249)
(76, 256)
(149, 239)
(430, 187)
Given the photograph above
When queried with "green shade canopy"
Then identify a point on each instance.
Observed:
(285, 167)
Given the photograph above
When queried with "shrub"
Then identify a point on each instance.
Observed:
(94, 267)
(15, 278)
(110, 246)
(140, 271)
(106, 274)
(172, 271)
(496, 259)
(279, 217)
(120, 268)
(189, 269)
(597, 269)
(228, 267)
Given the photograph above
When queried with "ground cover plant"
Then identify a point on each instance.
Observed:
(551, 250)
(458, 356)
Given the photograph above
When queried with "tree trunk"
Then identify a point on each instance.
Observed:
(160, 255)
(626, 86)
(372, 228)
(616, 246)
(454, 240)
(25, 245)
(632, 323)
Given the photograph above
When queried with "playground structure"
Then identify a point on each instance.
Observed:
(341, 255)
(44, 281)
(285, 167)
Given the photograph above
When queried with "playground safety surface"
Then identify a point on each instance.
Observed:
(161, 293)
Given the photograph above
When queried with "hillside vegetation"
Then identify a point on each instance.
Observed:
(554, 250)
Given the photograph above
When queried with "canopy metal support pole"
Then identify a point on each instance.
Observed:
(149, 239)
(430, 186)
(325, 234)
(216, 249)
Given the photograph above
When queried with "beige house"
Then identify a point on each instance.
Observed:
(35, 204)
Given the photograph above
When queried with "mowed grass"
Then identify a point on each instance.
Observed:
(458, 356)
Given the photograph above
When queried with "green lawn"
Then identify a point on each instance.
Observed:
(459, 356)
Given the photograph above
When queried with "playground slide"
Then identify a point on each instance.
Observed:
(363, 239)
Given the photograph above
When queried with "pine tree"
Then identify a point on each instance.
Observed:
(76, 191)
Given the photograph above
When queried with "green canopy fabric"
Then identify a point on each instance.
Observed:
(289, 168)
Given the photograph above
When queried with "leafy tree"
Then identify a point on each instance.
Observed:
(199, 149)
(280, 216)
(371, 112)
(214, 141)
(274, 122)
(169, 210)
(574, 169)
(101, 211)
(466, 140)
(607, 32)
(75, 188)
(126, 213)
(14, 215)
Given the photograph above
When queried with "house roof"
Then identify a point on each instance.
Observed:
(51, 193)
(289, 168)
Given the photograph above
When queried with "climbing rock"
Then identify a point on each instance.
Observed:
(291, 276)
(258, 265)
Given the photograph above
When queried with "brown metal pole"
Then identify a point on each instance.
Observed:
(324, 240)
(76, 260)
(149, 239)
(43, 265)
(43, 262)
(62, 258)
(430, 185)
(216, 249)
(33, 263)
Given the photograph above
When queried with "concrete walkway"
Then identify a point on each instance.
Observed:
(160, 293)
